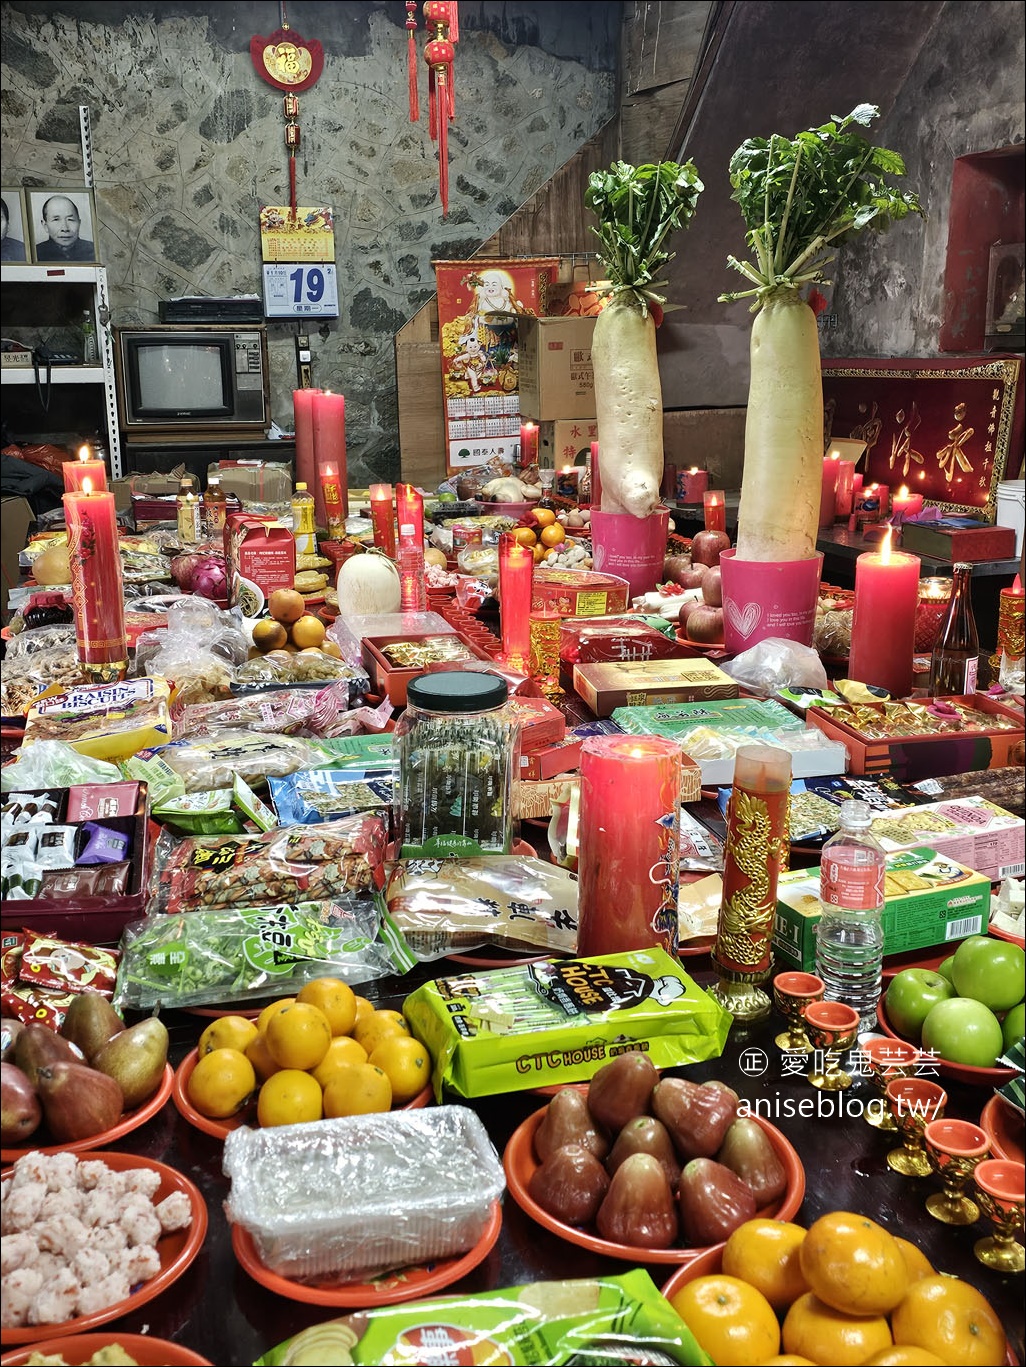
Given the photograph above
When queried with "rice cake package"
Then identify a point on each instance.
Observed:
(621, 1317)
(559, 1021)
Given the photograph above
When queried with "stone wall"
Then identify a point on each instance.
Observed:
(188, 143)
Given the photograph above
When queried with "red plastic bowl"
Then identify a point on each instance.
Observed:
(958, 1072)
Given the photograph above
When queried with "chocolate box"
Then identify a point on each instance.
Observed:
(639, 683)
(579, 593)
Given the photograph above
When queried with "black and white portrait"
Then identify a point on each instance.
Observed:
(12, 224)
(62, 225)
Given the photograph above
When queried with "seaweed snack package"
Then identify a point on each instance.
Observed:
(617, 1318)
(442, 906)
(560, 1020)
(295, 864)
(235, 954)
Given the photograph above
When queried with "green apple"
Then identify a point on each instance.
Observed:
(989, 971)
(910, 997)
(944, 969)
(1013, 1027)
(962, 1030)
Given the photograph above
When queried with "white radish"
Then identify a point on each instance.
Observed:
(629, 407)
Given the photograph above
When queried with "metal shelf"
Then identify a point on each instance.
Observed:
(59, 374)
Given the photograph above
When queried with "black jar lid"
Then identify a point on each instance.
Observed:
(457, 691)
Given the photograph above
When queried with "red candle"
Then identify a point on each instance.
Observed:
(828, 491)
(528, 443)
(86, 467)
(410, 516)
(692, 484)
(409, 507)
(856, 486)
(306, 469)
(516, 576)
(629, 844)
(382, 517)
(96, 586)
(596, 477)
(333, 497)
(329, 447)
(844, 489)
(904, 504)
(883, 628)
(714, 504)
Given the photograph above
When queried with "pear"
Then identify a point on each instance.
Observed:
(37, 1046)
(136, 1059)
(90, 1022)
(78, 1102)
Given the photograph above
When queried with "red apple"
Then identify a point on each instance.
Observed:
(674, 566)
(706, 547)
(705, 625)
(686, 609)
(712, 587)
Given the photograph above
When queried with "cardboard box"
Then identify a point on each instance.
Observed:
(261, 482)
(559, 757)
(958, 538)
(261, 550)
(540, 722)
(391, 679)
(566, 441)
(640, 683)
(533, 798)
(970, 830)
(16, 516)
(911, 758)
(157, 485)
(579, 593)
(952, 903)
(555, 372)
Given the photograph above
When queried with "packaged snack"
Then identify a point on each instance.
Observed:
(314, 795)
(55, 847)
(236, 954)
(294, 864)
(67, 966)
(103, 845)
(93, 880)
(52, 764)
(280, 711)
(94, 801)
(21, 844)
(442, 906)
(21, 880)
(108, 721)
(614, 1318)
(206, 761)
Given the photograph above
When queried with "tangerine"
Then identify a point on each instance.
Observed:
(904, 1355)
(732, 1322)
(357, 1089)
(552, 536)
(373, 1030)
(525, 536)
(949, 1317)
(298, 1036)
(853, 1264)
(916, 1262)
(221, 1083)
(788, 1360)
(290, 1097)
(269, 1010)
(540, 553)
(819, 1332)
(406, 1064)
(308, 631)
(544, 517)
(765, 1254)
(342, 1049)
(229, 1032)
(335, 998)
(260, 1056)
(364, 1009)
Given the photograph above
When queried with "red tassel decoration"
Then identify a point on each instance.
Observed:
(439, 54)
(443, 144)
(411, 59)
(454, 21)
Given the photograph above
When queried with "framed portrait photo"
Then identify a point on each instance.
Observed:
(62, 226)
(13, 243)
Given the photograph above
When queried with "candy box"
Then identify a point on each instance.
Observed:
(579, 593)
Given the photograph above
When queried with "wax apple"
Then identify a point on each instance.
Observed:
(911, 996)
(989, 971)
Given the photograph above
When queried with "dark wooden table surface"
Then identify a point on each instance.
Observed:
(217, 1310)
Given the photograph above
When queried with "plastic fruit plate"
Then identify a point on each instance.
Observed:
(80, 1348)
(957, 1072)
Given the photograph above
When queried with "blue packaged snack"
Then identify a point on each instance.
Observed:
(313, 795)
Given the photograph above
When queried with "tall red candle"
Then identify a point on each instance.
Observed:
(409, 504)
(383, 518)
(844, 490)
(516, 578)
(96, 584)
(86, 467)
(329, 446)
(528, 443)
(692, 484)
(714, 505)
(331, 493)
(629, 844)
(904, 504)
(828, 490)
(883, 628)
(306, 469)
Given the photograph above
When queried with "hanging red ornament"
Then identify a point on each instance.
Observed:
(439, 55)
(288, 61)
(411, 59)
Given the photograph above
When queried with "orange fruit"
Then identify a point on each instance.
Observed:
(342, 1049)
(732, 1322)
(917, 1263)
(764, 1253)
(853, 1264)
(298, 1036)
(221, 1083)
(544, 517)
(290, 1097)
(286, 605)
(335, 998)
(406, 1064)
(259, 1055)
(357, 1089)
(823, 1334)
(788, 1360)
(524, 535)
(552, 536)
(269, 635)
(308, 631)
(904, 1355)
(540, 553)
(373, 1030)
(364, 1008)
(228, 1032)
(949, 1317)
(268, 1012)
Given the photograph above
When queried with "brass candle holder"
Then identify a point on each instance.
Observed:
(792, 992)
(913, 1102)
(887, 1059)
(999, 1190)
(832, 1029)
(955, 1148)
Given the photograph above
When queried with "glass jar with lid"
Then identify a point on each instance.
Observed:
(456, 754)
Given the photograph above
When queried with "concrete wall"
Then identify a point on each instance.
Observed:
(188, 143)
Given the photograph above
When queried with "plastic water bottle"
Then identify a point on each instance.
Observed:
(849, 937)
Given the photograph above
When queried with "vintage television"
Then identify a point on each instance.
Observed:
(201, 383)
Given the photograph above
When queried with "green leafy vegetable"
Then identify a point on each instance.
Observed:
(797, 197)
(638, 207)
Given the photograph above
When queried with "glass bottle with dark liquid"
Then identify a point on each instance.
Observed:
(956, 654)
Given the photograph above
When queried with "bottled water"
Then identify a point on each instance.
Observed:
(849, 937)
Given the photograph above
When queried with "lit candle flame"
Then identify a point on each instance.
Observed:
(693, 470)
(87, 485)
(885, 546)
(902, 492)
(1017, 586)
(329, 473)
(83, 453)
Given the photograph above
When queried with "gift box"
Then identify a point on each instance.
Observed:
(970, 830)
(389, 677)
(958, 538)
(260, 550)
(640, 683)
(541, 724)
(579, 593)
(594, 640)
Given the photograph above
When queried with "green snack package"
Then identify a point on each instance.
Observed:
(559, 1021)
(608, 1319)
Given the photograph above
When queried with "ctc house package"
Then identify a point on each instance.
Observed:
(559, 1021)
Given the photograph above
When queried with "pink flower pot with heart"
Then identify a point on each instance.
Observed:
(767, 598)
(631, 547)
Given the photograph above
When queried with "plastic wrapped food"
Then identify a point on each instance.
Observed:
(294, 864)
(106, 721)
(54, 764)
(26, 676)
(315, 795)
(236, 954)
(407, 1187)
(211, 759)
(282, 711)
